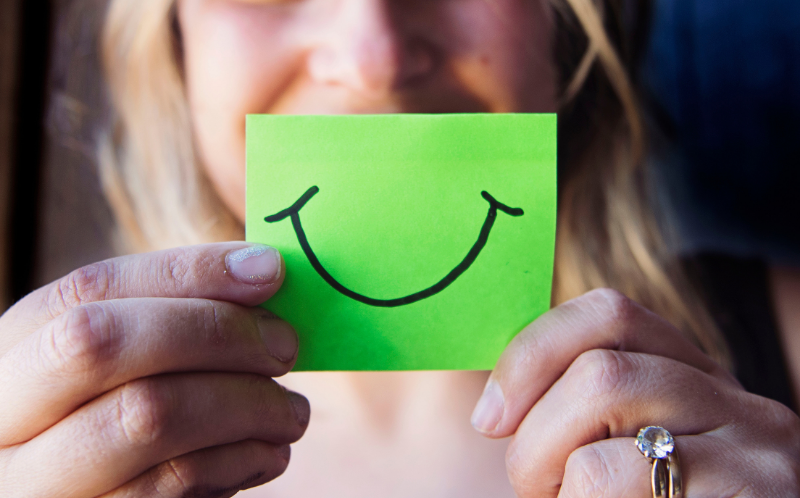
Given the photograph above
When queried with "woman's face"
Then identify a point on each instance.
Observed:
(355, 57)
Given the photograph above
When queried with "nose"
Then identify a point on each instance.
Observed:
(370, 50)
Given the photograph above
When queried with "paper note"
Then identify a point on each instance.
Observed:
(411, 242)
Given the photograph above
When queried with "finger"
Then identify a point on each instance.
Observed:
(219, 472)
(137, 426)
(612, 394)
(712, 465)
(730, 463)
(606, 469)
(94, 348)
(237, 272)
(540, 354)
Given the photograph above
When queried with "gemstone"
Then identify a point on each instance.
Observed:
(655, 442)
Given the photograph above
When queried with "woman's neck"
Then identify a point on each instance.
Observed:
(410, 430)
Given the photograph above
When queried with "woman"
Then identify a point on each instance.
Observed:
(151, 375)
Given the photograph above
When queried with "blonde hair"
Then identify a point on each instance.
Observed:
(148, 160)
(608, 232)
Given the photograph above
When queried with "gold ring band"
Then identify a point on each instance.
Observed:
(666, 480)
(675, 477)
(658, 478)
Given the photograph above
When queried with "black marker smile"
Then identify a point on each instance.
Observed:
(483, 237)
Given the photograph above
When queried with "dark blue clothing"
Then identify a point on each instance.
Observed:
(727, 75)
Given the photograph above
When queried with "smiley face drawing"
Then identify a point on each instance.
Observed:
(293, 212)
(411, 242)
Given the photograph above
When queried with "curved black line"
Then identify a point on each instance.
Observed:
(293, 212)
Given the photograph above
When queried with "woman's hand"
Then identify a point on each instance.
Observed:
(149, 375)
(575, 387)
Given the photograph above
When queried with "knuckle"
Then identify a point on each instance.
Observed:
(143, 412)
(177, 477)
(587, 473)
(178, 267)
(785, 417)
(81, 341)
(613, 306)
(784, 422)
(183, 265)
(530, 350)
(184, 477)
(87, 284)
(598, 374)
(173, 269)
(213, 322)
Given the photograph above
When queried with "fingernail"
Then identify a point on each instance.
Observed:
(285, 452)
(257, 264)
(489, 410)
(300, 406)
(279, 337)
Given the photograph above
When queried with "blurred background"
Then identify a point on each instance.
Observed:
(721, 79)
(53, 217)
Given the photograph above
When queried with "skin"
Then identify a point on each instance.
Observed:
(94, 391)
(785, 287)
(152, 375)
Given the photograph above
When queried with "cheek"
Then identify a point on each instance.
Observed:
(235, 58)
(503, 50)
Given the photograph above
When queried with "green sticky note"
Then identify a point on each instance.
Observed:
(411, 242)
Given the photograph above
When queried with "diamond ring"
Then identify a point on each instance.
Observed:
(658, 446)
